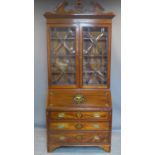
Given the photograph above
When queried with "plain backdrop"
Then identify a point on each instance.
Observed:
(40, 59)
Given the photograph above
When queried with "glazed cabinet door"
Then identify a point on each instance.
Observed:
(95, 56)
(63, 70)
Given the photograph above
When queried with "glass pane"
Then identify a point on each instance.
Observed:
(95, 55)
(63, 56)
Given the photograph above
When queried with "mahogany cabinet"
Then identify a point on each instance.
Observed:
(79, 106)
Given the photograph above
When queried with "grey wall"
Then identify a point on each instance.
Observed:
(40, 59)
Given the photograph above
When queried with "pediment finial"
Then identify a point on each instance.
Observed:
(97, 6)
(78, 7)
(60, 8)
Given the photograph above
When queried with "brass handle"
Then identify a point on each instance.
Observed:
(61, 115)
(97, 126)
(61, 126)
(97, 138)
(106, 104)
(79, 126)
(79, 99)
(97, 115)
(62, 138)
(78, 114)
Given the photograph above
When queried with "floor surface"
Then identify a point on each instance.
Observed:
(40, 146)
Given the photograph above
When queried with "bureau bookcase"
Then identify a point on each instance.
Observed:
(79, 106)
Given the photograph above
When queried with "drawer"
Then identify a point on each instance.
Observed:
(79, 126)
(82, 98)
(80, 138)
(79, 115)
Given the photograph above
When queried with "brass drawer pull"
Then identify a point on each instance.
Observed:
(61, 126)
(97, 115)
(79, 126)
(106, 104)
(61, 115)
(97, 126)
(79, 99)
(97, 138)
(62, 138)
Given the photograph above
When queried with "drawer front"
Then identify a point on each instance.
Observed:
(82, 98)
(80, 115)
(79, 126)
(80, 138)
(87, 100)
